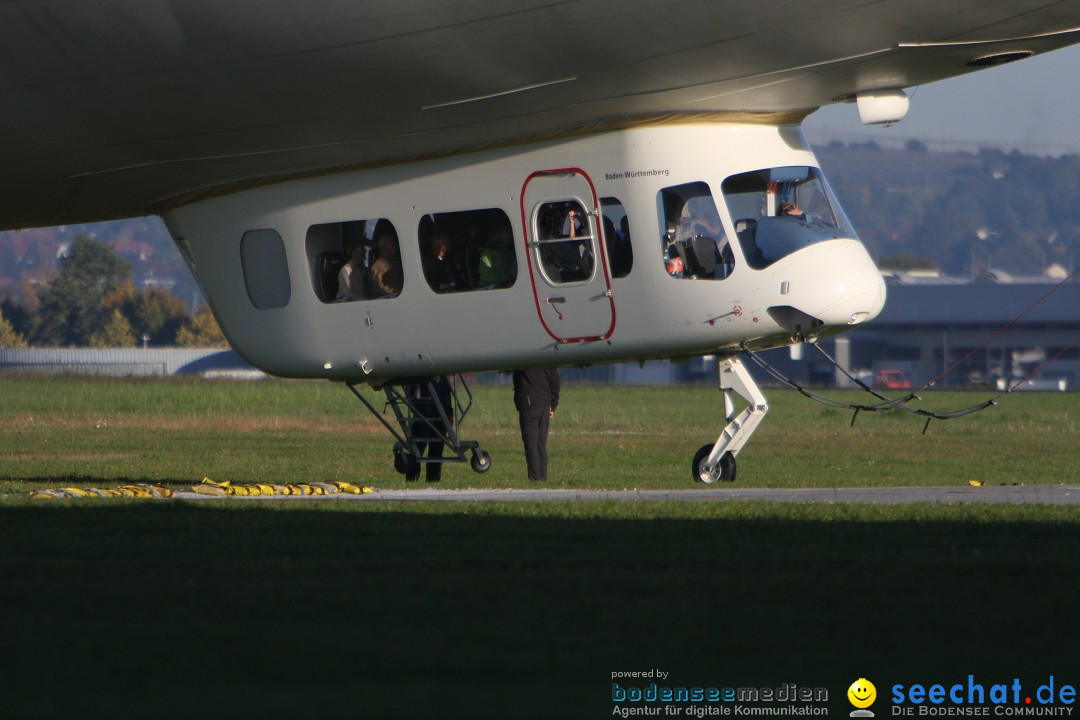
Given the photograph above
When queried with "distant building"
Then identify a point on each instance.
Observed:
(988, 330)
(126, 362)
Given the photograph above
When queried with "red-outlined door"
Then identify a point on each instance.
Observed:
(567, 258)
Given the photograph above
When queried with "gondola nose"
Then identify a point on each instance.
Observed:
(830, 285)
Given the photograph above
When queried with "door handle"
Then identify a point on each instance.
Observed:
(553, 301)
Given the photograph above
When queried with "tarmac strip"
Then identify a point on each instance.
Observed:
(1013, 494)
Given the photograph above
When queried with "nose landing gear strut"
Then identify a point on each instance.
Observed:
(716, 461)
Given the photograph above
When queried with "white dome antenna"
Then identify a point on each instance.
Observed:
(882, 107)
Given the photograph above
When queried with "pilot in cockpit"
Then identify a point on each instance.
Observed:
(790, 209)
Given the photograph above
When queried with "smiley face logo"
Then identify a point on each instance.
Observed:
(862, 693)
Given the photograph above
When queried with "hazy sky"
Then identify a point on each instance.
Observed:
(1032, 105)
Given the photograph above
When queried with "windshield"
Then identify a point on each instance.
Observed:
(780, 210)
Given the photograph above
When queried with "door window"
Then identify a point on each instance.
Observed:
(564, 242)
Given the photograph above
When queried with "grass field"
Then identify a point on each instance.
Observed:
(162, 609)
(54, 429)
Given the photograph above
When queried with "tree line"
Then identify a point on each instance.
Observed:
(961, 213)
(91, 301)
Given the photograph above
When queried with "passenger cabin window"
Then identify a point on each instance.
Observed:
(355, 260)
(468, 250)
(620, 252)
(564, 247)
(778, 211)
(266, 269)
(693, 241)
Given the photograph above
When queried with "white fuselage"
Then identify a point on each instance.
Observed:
(264, 258)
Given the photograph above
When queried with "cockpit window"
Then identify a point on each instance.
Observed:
(780, 210)
(693, 241)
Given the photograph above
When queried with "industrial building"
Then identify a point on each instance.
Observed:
(981, 332)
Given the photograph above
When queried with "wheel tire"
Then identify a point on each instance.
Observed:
(728, 468)
(481, 461)
(725, 469)
(402, 459)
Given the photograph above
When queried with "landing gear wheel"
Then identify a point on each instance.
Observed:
(403, 461)
(481, 461)
(724, 470)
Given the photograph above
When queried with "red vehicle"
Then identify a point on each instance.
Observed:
(891, 380)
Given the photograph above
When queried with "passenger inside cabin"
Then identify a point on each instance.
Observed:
(386, 275)
(353, 277)
(674, 264)
(673, 261)
(620, 251)
(439, 269)
(572, 225)
(567, 257)
(496, 265)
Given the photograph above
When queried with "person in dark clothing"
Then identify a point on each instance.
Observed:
(536, 395)
(439, 268)
(430, 426)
